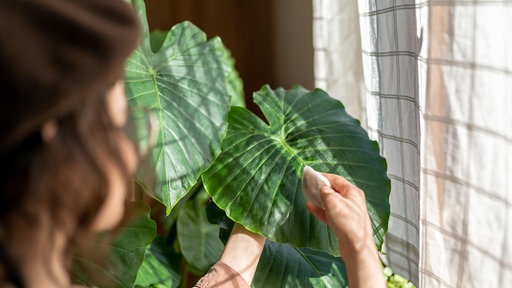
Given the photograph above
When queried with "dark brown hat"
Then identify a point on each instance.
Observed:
(54, 52)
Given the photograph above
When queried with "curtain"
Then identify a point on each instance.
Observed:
(432, 83)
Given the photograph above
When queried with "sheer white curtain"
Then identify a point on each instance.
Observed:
(432, 82)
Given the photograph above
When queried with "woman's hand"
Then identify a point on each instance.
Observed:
(347, 215)
(345, 212)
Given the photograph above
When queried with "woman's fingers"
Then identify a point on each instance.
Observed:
(317, 211)
(338, 183)
(345, 187)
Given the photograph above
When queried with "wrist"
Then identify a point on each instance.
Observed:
(353, 249)
(363, 265)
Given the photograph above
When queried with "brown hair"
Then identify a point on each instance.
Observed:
(58, 58)
(61, 184)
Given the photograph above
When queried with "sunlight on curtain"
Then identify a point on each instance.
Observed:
(466, 65)
(389, 47)
(437, 96)
(338, 66)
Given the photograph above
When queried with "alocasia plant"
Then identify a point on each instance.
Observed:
(257, 180)
(257, 177)
(185, 83)
(250, 167)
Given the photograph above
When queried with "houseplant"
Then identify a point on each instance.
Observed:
(212, 154)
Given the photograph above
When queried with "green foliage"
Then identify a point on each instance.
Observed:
(127, 252)
(282, 265)
(198, 239)
(210, 146)
(396, 281)
(185, 83)
(257, 177)
(159, 268)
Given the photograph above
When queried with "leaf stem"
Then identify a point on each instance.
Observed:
(290, 149)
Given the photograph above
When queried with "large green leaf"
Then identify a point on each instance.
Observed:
(126, 253)
(282, 265)
(257, 177)
(184, 82)
(199, 241)
(160, 266)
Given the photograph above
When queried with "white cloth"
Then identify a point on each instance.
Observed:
(437, 94)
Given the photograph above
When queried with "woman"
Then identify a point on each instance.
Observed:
(66, 159)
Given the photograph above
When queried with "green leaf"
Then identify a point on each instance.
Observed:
(158, 267)
(127, 252)
(234, 83)
(156, 39)
(282, 265)
(257, 177)
(199, 241)
(217, 216)
(184, 82)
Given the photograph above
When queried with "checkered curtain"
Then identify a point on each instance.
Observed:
(432, 82)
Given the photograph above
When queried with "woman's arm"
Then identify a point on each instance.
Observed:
(238, 262)
(243, 251)
(347, 215)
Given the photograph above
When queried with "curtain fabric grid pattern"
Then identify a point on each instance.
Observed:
(389, 54)
(437, 95)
